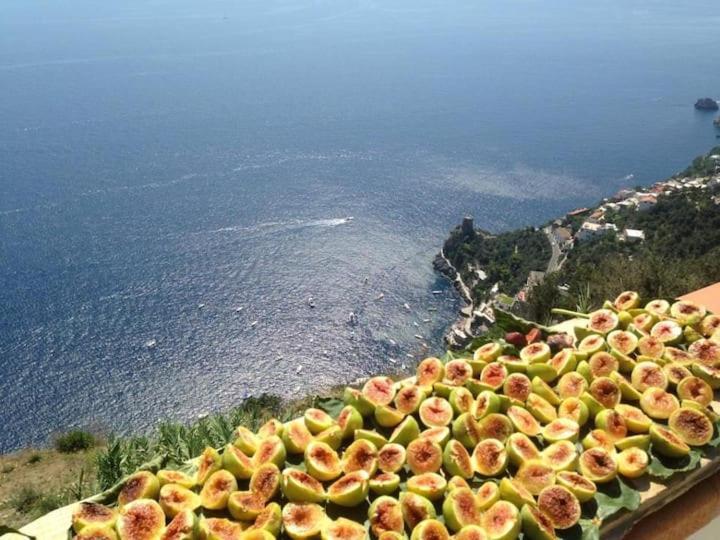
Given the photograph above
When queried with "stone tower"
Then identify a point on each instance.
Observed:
(467, 227)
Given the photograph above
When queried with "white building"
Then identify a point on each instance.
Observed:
(633, 235)
(647, 201)
(592, 230)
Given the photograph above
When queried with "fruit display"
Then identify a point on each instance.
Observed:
(520, 437)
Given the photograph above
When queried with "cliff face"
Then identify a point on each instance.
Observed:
(706, 104)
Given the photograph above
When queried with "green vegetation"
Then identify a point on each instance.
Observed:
(507, 258)
(74, 441)
(702, 165)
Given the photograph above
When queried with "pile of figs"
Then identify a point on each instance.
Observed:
(512, 439)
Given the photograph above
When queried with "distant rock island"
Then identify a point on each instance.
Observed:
(706, 104)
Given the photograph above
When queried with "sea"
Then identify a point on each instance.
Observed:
(196, 196)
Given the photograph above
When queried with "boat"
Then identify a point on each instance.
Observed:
(311, 302)
(406, 306)
(252, 324)
(352, 319)
(238, 309)
(200, 306)
(437, 292)
(426, 320)
(299, 369)
(151, 344)
(418, 336)
(380, 296)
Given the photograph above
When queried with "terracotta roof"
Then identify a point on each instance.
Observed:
(708, 296)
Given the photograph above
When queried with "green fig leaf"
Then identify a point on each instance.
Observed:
(715, 441)
(330, 405)
(4, 529)
(664, 468)
(616, 496)
(445, 358)
(586, 529)
(512, 323)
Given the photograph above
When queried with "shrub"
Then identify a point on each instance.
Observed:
(34, 458)
(74, 441)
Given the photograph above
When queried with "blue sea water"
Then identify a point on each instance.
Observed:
(165, 163)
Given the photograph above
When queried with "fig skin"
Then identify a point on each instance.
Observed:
(460, 509)
(487, 495)
(384, 483)
(298, 486)
(89, 514)
(141, 485)
(405, 432)
(415, 508)
(583, 488)
(349, 490)
(535, 524)
(457, 460)
(535, 475)
(96, 533)
(208, 462)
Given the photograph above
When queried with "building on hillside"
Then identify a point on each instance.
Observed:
(600, 212)
(563, 237)
(646, 201)
(577, 212)
(623, 194)
(591, 230)
(633, 235)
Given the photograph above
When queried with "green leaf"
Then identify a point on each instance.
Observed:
(616, 496)
(586, 529)
(512, 323)
(715, 442)
(330, 405)
(664, 468)
(4, 529)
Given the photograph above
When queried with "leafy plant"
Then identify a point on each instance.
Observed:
(74, 441)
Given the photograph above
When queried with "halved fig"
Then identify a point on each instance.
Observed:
(515, 493)
(415, 508)
(460, 509)
(573, 409)
(564, 361)
(658, 307)
(386, 416)
(648, 374)
(349, 490)
(543, 371)
(635, 420)
(535, 475)
(245, 505)
(217, 489)
(265, 481)
(605, 391)
(356, 399)
(488, 352)
(517, 386)
(332, 436)
(430, 529)
(182, 527)
(270, 519)
(622, 341)
(466, 430)
(494, 375)
(423, 456)
(471, 532)
(391, 458)
(691, 425)
(598, 438)
(435, 412)
(709, 325)
(561, 429)
(270, 428)
(667, 332)
(687, 312)
(89, 514)
(384, 483)
(710, 375)
(571, 385)
(632, 462)
(633, 441)
(175, 499)
(456, 460)
(676, 372)
(440, 435)
(140, 519)
(429, 485)
(523, 421)
(658, 404)
(442, 389)
(602, 364)
(457, 372)
(520, 449)
(405, 432)
(512, 363)
(487, 495)
(235, 461)
(361, 455)
(583, 488)
(696, 389)
(299, 486)
(141, 485)
(495, 426)
(430, 371)
(168, 476)
(560, 455)
(540, 408)
(603, 321)
(627, 391)
(613, 423)
(535, 353)
(673, 354)
(706, 351)
(560, 505)
(342, 529)
(591, 344)
(303, 520)
(408, 399)
(667, 443)
(456, 482)
(536, 525)
(97, 533)
(220, 529)
(501, 521)
(461, 400)
(379, 390)
(543, 389)
(317, 420)
(626, 301)
(598, 465)
(271, 450)
(651, 346)
(486, 402)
